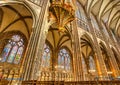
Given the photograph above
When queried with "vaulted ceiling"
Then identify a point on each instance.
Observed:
(106, 11)
(59, 39)
(15, 17)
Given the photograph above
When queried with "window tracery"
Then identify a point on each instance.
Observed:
(13, 51)
(64, 60)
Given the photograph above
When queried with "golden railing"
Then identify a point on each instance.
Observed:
(34, 82)
(54, 76)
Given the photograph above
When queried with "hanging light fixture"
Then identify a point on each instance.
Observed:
(61, 13)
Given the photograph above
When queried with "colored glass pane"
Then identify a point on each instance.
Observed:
(16, 38)
(12, 54)
(46, 57)
(5, 52)
(13, 50)
(18, 55)
(64, 60)
(91, 63)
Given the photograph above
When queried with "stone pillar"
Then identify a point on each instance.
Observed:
(77, 54)
(102, 67)
(32, 46)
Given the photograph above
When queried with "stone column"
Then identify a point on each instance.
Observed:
(77, 54)
(32, 46)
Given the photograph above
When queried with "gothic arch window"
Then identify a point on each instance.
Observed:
(64, 60)
(13, 50)
(46, 58)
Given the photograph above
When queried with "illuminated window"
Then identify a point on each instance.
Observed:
(13, 51)
(64, 60)
(46, 58)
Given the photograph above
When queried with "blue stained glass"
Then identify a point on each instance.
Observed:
(13, 50)
(91, 63)
(5, 52)
(43, 61)
(46, 57)
(12, 54)
(64, 59)
(59, 60)
(18, 55)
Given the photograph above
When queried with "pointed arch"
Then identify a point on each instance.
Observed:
(19, 16)
(14, 47)
(105, 56)
(46, 64)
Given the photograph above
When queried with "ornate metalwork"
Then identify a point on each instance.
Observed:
(61, 14)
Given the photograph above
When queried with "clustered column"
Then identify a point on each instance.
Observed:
(77, 54)
(31, 49)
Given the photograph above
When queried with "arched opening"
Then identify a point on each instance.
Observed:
(59, 46)
(46, 58)
(13, 50)
(64, 60)
(15, 30)
(106, 59)
(88, 58)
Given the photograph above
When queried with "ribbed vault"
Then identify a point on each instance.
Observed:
(15, 17)
(58, 39)
(107, 11)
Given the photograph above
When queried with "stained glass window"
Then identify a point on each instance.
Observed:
(5, 52)
(18, 55)
(91, 63)
(12, 54)
(13, 51)
(64, 60)
(46, 57)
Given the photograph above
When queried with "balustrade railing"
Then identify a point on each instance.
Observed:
(55, 76)
(33, 82)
